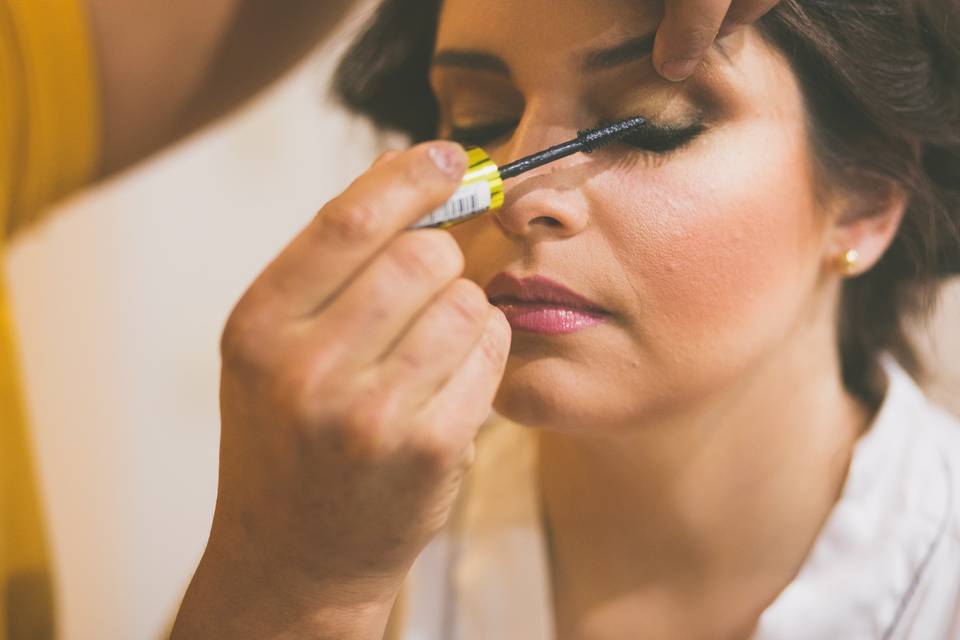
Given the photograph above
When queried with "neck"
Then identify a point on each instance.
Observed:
(720, 502)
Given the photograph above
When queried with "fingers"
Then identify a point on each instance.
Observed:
(745, 12)
(438, 343)
(690, 27)
(386, 156)
(351, 228)
(468, 396)
(384, 299)
(688, 30)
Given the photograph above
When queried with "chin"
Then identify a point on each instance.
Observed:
(556, 394)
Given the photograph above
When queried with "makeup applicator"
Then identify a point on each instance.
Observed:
(482, 186)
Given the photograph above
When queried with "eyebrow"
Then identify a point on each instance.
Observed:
(623, 53)
(470, 59)
(632, 50)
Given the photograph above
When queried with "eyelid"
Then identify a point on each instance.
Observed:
(662, 139)
(661, 127)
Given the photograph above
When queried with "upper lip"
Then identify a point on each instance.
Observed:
(506, 287)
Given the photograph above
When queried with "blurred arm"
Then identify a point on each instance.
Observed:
(166, 67)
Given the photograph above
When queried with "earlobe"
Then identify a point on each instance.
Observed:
(848, 263)
(866, 226)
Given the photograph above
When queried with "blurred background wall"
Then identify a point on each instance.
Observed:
(120, 298)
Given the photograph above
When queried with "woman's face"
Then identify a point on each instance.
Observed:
(705, 250)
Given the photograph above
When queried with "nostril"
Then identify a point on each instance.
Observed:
(547, 220)
(539, 220)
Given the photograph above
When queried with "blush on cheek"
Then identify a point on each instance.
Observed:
(725, 247)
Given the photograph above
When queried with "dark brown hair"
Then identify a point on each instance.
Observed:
(881, 79)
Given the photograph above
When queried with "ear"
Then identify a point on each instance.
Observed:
(866, 220)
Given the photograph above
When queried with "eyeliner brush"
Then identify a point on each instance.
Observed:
(482, 186)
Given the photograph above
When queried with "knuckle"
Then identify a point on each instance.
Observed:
(364, 430)
(295, 396)
(428, 253)
(306, 389)
(410, 362)
(386, 156)
(232, 339)
(466, 301)
(369, 408)
(242, 339)
(435, 453)
(350, 220)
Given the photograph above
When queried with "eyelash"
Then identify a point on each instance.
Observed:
(652, 138)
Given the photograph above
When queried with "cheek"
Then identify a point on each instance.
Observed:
(719, 244)
(484, 250)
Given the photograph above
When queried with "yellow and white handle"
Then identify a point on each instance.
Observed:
(481, 190)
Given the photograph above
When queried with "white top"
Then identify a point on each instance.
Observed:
(886, 564)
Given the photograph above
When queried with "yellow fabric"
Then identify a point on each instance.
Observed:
(48, 135)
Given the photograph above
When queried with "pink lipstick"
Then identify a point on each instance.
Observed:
(540, 305)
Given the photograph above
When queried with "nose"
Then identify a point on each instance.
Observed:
(547, 202)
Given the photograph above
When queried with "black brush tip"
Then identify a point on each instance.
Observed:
(593, 139)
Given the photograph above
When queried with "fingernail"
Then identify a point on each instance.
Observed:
(449, 158)
(677, 70)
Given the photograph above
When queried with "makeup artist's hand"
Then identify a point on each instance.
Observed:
(356, 372)
(690, 27)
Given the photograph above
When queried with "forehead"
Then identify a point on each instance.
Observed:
(545, 43)
(543, 30)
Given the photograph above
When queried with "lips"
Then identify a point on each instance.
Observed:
(539, 305)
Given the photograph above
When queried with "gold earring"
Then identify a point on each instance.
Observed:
(848, 261)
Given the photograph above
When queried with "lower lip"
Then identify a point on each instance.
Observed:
(549, 320)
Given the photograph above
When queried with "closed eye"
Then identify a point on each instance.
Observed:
(652, 138)
(660, 139)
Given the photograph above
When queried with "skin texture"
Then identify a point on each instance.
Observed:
(711, 402)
